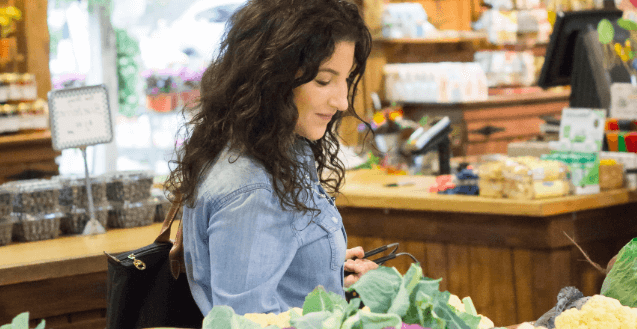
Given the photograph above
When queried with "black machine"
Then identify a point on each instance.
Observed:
(574, 57)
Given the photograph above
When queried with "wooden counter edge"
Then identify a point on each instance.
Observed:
(52, 269)
(482, 205)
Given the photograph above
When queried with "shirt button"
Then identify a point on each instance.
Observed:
(334, 219)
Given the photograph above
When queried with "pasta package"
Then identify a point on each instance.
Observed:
(491, 188)
(534, 190)
(530, 169)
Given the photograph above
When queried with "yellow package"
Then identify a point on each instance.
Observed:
(491, 188)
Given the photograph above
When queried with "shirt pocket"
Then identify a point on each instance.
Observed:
(332, 224)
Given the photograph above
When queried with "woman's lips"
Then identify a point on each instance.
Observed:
(327, 117)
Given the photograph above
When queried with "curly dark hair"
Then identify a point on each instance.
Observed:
(246, 103)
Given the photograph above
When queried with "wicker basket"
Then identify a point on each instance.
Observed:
(38, 227)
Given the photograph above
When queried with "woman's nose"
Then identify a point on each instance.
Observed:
(339, 98)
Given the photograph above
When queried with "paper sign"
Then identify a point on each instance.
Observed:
(80, 117)
(623, 101)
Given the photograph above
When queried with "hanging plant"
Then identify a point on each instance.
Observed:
(127, 73)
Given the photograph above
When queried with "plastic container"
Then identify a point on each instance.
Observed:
(73, 192)
(130, 186)
(35, 227)
(132, 214)
(6, 230)
(75, 220)
(36, 196)
(6, 201)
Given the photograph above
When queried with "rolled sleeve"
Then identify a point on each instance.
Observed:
(251, 246)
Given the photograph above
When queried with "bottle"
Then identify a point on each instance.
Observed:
(4, 88)
(15, 92)
(29, 88)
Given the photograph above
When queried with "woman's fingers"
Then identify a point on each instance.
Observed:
(353, 253)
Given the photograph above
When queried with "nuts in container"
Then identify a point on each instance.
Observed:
(132, 186)
(6, 230)
(75, 220)
(132, 214)
(36, 196)
(6, 201)
(35, 227)
(73, 192)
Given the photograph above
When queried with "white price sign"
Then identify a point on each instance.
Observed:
(80, 117)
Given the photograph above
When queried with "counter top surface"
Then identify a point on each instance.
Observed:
(69, 255)
(366, 189)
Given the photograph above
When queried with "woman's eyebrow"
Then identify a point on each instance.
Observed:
(328, 70)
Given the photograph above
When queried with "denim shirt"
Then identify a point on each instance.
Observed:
(243, 250)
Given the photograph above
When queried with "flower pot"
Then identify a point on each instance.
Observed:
(189, 97)
(160, 102)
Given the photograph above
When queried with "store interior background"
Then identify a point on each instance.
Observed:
(165, 36)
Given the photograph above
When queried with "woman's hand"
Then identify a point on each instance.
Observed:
(355, 263)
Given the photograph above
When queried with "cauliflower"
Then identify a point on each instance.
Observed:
(485, 323)
(282, 319)
(600, 312)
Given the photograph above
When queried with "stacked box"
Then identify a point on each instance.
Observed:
(73, 193)
(6, 223)
(132, 214)
(584, 168)
(75, 220)
(131, 186)
(34, 227)
(36, 209)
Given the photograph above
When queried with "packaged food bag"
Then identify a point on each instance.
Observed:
(621, 281)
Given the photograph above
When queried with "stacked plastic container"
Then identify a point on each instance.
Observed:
(129, 194)
(6, 207)
(435, 82)
(74, 203)
(35, 209)
(524, 178)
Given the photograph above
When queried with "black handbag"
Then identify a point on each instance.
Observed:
(144, 288)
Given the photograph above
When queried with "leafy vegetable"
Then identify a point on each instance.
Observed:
(21, 321)
(223, 317)
(321, 300)
(621, 281)
(627, 24)
(378, 288)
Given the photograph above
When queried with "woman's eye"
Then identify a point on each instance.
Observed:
(322, 83)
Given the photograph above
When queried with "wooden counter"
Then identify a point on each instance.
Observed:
(64, 280)
(511, 257)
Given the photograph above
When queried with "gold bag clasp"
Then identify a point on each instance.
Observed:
(138, 263)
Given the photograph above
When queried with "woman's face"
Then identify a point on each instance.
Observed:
(318, 100)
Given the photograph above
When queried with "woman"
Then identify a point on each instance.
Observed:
(260, 231)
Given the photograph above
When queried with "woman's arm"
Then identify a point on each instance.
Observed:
(251, 246)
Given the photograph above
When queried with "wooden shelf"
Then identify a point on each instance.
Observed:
(25, 137)
(501, 100)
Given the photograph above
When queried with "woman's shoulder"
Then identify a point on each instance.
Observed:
(232, 172)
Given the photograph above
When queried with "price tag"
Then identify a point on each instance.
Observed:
(80, 117)
(623, 101)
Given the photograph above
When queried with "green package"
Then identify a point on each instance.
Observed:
(621, 281)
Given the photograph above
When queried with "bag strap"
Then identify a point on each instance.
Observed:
(176, 254)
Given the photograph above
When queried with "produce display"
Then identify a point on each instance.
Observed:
(390, 301)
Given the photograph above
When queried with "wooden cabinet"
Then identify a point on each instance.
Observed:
(489, 126)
